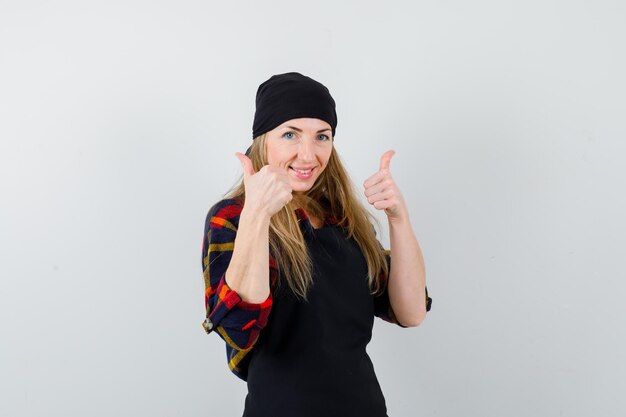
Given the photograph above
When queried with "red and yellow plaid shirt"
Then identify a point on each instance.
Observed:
(238, 322)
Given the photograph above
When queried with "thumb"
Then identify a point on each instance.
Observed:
(385, 160)
(246, 164)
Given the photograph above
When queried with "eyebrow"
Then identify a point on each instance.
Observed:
(300, 130)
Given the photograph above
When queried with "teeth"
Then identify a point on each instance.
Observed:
(301, 171)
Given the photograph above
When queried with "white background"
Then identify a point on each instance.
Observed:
(119, 121)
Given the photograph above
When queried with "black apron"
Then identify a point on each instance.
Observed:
(310, 359)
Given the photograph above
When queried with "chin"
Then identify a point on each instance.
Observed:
(301, 188)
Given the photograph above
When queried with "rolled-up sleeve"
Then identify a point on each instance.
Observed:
(382, 305)
(236, 321)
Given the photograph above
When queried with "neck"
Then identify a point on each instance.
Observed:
(311, 207)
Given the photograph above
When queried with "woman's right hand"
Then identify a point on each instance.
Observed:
(267, 190)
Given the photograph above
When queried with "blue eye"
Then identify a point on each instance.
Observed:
(323, 137)
(289, 135)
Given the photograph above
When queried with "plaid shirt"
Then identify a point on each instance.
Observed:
(238, 322)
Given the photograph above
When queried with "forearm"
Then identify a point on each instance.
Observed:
(407, 278)
(248, 271)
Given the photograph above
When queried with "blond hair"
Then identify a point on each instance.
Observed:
(332, 195)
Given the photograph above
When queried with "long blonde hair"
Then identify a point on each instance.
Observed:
(333, 194)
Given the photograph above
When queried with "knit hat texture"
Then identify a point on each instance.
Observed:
(291, 96)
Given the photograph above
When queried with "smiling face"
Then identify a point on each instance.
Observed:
(303, 146)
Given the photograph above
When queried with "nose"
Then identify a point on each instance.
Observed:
(306, 150)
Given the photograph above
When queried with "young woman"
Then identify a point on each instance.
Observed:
(294, 273)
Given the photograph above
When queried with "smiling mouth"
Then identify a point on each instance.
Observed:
(302, 171)
(303, 174)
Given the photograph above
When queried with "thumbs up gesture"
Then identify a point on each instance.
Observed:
(383, 193)
(268, 190)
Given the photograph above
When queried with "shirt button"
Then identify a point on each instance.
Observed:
(208, 325)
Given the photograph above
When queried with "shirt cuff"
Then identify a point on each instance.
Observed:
(231, 312)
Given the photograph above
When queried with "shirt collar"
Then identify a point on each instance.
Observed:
(303, 218)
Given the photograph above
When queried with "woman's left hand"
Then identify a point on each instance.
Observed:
(383, 193)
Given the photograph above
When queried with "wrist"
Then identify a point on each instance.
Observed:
(254, 215)
(402, 221)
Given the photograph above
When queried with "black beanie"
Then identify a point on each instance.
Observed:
(291, 96)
